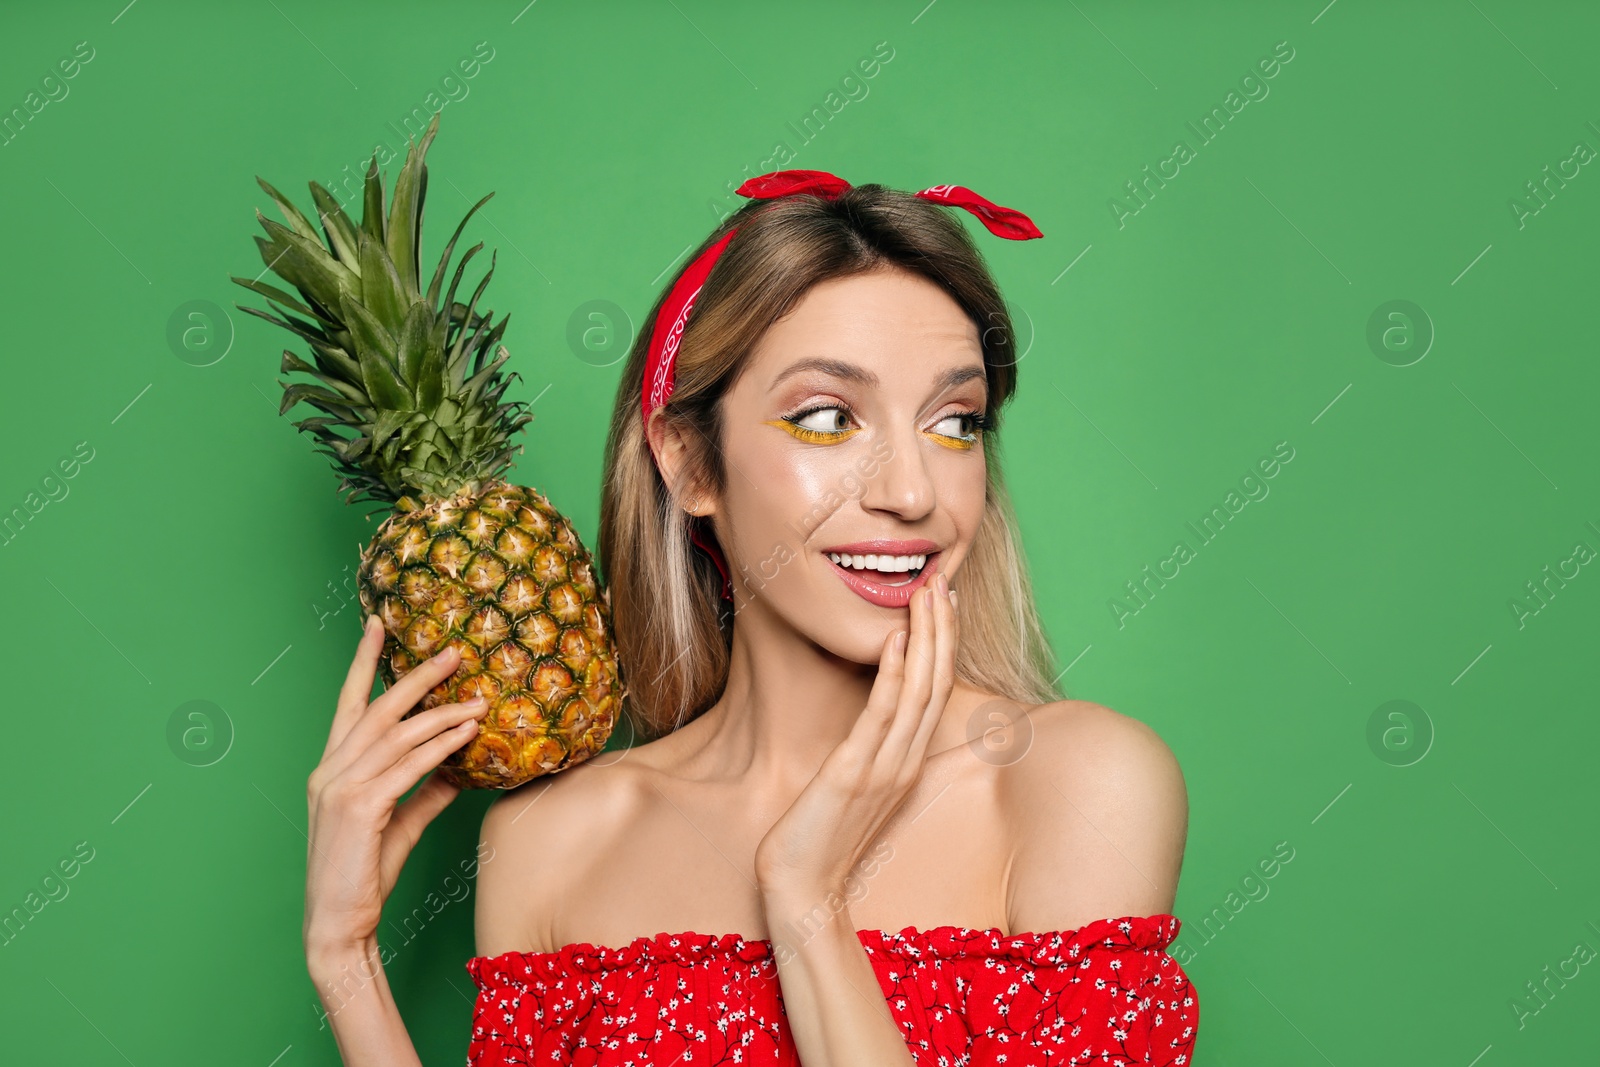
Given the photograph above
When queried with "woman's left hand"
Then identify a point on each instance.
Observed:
(814, 846)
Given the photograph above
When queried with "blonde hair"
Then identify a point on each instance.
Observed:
(672, 629)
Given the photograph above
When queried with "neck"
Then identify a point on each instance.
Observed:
(788, 702)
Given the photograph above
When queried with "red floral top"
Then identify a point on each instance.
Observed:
(1106, 993)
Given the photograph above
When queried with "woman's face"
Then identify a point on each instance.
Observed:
(855, 461)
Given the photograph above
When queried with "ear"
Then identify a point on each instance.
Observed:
(669, 444)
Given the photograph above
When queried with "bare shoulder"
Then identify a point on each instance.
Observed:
(539, 840)
(1096, 747)
(1100, 813)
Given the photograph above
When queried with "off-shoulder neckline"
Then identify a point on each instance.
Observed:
(1128, 932)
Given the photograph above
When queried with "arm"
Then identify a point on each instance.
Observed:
(366, 1024)
(360, 836)
(836, 1010)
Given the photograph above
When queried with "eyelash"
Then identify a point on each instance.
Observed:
(980, 423)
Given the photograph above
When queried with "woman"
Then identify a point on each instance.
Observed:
(865, 829)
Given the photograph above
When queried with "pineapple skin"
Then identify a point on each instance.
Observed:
(498, 573)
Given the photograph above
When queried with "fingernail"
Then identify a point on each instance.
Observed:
(900, 640)
(953, 600)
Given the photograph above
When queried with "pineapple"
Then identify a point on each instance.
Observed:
(466, 559)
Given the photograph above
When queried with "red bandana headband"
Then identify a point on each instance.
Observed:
(674, 315)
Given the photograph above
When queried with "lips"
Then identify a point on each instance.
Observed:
(886, 545)
(884, 572)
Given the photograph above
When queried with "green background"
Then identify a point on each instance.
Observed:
(1437, 867)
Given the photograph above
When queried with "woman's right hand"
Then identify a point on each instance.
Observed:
(359, 838)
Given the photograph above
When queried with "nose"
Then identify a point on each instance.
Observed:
(902, 484)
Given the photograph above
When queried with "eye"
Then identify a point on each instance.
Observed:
(823, 420)
(826, 425)
(964, 425)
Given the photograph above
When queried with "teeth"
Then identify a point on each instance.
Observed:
(882, 564)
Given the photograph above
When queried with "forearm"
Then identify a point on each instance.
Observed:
(361, 1010)
(835, 1007)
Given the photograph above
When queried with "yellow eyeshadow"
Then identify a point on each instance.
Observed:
(818, 437)
(951, 442)
(833, 437)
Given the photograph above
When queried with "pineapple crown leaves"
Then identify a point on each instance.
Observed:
(412, 377)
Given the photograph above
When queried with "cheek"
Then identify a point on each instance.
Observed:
(963, 496)
(777, 499)
(795, 488)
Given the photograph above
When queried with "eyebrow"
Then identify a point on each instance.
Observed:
(838, 368)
